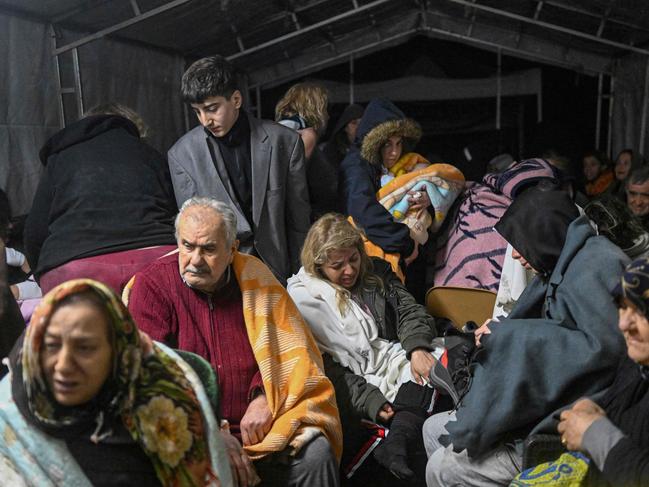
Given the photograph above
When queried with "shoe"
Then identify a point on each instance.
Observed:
(392, 453)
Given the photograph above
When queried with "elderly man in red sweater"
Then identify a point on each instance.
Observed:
(228, 308)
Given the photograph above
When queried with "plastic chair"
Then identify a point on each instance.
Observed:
(460, 304)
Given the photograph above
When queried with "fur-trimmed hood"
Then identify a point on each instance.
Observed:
(381, 120)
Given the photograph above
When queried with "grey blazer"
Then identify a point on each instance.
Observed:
(280, 199)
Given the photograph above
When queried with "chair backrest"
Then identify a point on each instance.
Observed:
(460, 304)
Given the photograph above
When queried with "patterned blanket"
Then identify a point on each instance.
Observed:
(442, 182)
(300, 397)
(469, 252)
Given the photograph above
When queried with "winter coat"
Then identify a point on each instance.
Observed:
(559, 343)
(398, 317)
(103, 190)
(323, 168)
(360, 174)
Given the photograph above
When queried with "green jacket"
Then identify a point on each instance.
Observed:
(399, 318)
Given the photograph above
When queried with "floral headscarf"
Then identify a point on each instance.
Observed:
(147, 389)
(634, 285)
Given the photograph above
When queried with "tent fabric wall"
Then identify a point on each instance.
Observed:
(628, 103)
(146, 80)
(28, 107)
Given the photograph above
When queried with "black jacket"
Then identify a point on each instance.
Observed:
(626, 405)
(398, 317)
(103, 190)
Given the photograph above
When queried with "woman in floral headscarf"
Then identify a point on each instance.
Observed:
(91, 401)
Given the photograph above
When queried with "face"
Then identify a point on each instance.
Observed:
(77, 354)
(351, 128)
(635, 327)
(592, 168)
(637, 198)
(218, 114)
(622, 166)
(342, 267)
(203, 255)
(391, 151)
(521, 260)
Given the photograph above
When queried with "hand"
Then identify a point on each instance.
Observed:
(418, 200)
(415, 253)
(483, 330)
(257, 421)
(421, 361)
(385, 413)
(574, 423)
(243, 471)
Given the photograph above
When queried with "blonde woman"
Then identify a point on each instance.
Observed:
(378, 344)
(304, 109)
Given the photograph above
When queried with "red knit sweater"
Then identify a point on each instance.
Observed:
(211, 326)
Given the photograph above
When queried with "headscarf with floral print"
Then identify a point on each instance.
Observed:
(157, 404)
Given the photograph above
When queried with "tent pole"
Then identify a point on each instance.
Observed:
(499, 90)
(58, 78)
(611, 100)
(258, 93)
(645, 106)
(351, 79)
(598, 122)
(77, 82)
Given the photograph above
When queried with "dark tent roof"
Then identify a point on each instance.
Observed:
(275, 41)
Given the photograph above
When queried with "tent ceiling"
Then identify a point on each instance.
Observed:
(279, 40)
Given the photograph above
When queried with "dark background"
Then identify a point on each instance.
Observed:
(569, 104)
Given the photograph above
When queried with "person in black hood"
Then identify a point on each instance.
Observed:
(360, 174)
(104, 198)
(323, 169)
(537, 246)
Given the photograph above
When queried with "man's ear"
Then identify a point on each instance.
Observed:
(237, 99)
(235, 247)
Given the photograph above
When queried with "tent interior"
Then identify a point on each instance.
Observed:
(517, 76)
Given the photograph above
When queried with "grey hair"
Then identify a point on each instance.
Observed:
(638, 176)
(224, 211)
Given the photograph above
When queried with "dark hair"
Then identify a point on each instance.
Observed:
(639, 176)
(600, 156)
(207, 77)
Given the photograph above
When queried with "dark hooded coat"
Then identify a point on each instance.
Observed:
(559, 343)
(360, 174)
(103, 190)
(324, 167)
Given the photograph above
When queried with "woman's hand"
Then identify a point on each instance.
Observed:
(483, 330)
(418, 200)
(385, 413)
(574, 422)
(243, 471)
(421, 361)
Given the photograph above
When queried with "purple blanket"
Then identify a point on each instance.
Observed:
(469, 251)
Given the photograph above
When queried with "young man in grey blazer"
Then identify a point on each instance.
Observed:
(255, 166)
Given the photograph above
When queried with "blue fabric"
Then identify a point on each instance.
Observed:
(560, 343)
